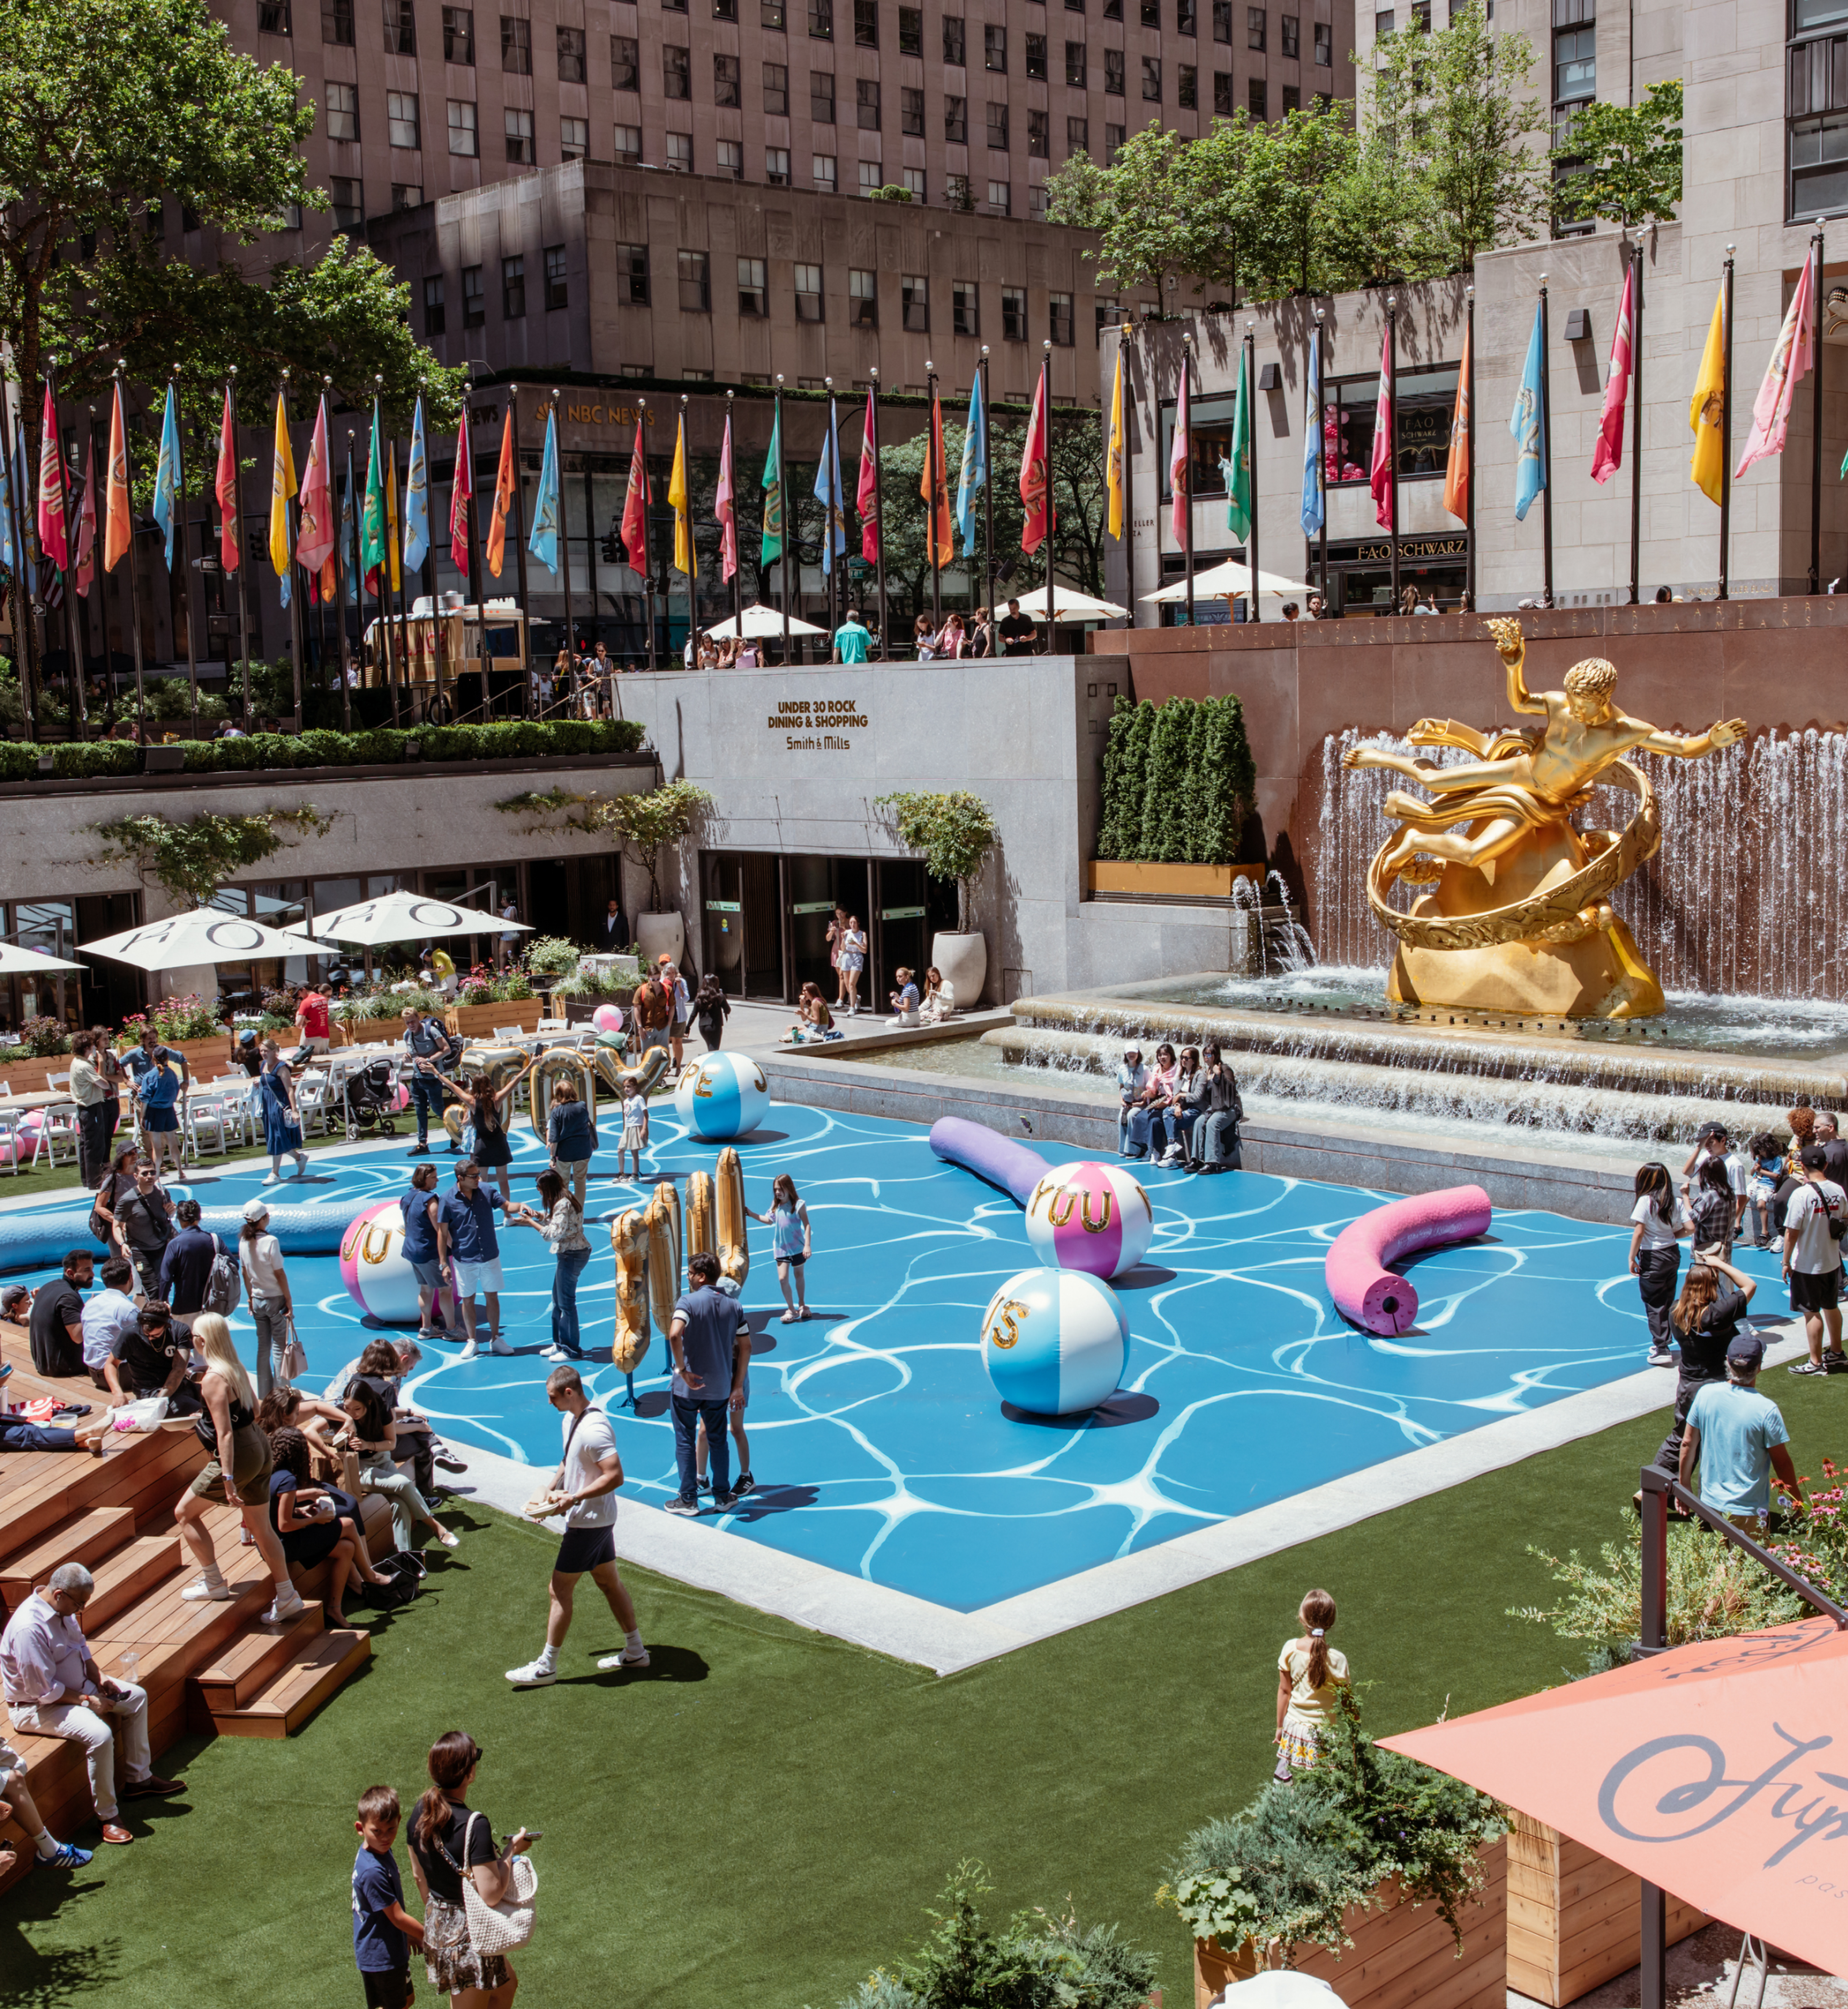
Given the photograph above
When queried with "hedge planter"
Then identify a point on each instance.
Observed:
(1109, 879)
(1402, 1956)
(481, 1022)
(1574, 1916)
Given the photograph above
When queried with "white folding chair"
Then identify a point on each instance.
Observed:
(553, 1026)
(513, 1033)
(55, 1127)
(312, 1099)
(210, 1115)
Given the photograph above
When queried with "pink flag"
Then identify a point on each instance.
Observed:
(1791, 361)
(1610, 453)
(51, 539)
(224, 487)
(1379, 477)
(462, 493)
(866, 495)
(1180, 462)
(314, 544)
(1036, 473)
(725, 508)
(83, 558)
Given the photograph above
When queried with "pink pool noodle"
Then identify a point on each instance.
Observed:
(1363, 1289)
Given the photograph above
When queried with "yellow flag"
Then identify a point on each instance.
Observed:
(282, 486)
(1113, 474)
(684, 559)
(1708, 406)
(392, 540)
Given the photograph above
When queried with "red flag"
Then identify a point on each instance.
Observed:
(117, 529)
(1379, 478)
(635, 508)
(866, 495)
(934, 487)
(1036, 483)
(724, 508)
(505, 480)
(224, 487)
(1181, 462)
(52, 537)
(314, 541)
(84, 558)
(462, 493)
(1608, 454)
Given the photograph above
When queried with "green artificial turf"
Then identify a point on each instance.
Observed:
(761, 1817)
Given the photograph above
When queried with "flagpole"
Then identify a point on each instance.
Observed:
(830, 565)
(134, 582)
(1052, 505)
(988, 500)
(571, 638)
(1545, 447)
(879, 518)
(383, 588)
(1250, 393)
(1816, 422)
(1322, 454)
(647, 534)
(477, 578)
(930, 511)
(1726, 436)
(738, 570)
(1393, 445)
(519, 560)
(1124, 335)
(783, 506)
(79, 709)
(341, 581)
(1469, 526)
(38, 618)
(1187, 461)
(243, 558)
(298, 632)
(186, 569)
(1636, 424)
(96, 579)
(22, 599)
(394, 549)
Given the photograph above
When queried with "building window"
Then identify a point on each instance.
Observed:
(1036, 204)
(677, 71)
(913, 297)
(1254, 98)
(775, 166)
(1113, 143)
(729, 158)
(772, 14)
(913, 184)
(459, 35)
(911, 111)
(1001, 198)
(808, 292)
(776, 90)
(513, 289)
(965, 307)
(1037, 57)
(1256, 28)
(571, 55)
(823, 171)
(1186, 20)
(1287, 25)
(865, 24)
(956, 193)
(519, 136)
(632, 275)
(343, 111)
(348, 199)
(956, 119)
(1151, 13)
(1293, 100)
(1077, 136)
(724, 10)
(516, 45)
(574, 139)
(1325, 44)
(558, 289)
(680, 152)
(1059, 325)
(955, 49)
(1222, 94)
(1187, 87)
(626, 63)
(821, 19)
(873, 178)
(753, 289)
(866, 99)
(635, 370)
(1109, 314)
(1818, 165)
(863, 299)
(432, 306)
(1076, 74)
(465, 136)
(1112, 72)
(1151, 79)
(727, 81)
(695, 283)
(994, 47)
(1039, 135)
(628, 143)
(997, 128)
(910, 31)
(821, 96)
(1384, 22)
(474, 297)
(337, 22)
(1574, 64)
(1113, 10)
(1221, 22)
(400, 118)
(1421, 15)
(272, 18)
(1014, 313)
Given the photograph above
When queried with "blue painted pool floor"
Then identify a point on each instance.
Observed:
(879, 1446)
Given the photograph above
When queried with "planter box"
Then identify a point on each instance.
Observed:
(1108, 879)
(1574, 1916)
(477, 1022)
(1399, 1957)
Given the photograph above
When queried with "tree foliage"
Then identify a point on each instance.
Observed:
(1626, 161)
(955, 832)
(191, 860)
(1178, 782)
(639, 825)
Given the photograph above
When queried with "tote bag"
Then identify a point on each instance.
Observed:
(499, 1929)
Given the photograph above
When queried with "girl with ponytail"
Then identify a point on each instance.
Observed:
(1309, 1674)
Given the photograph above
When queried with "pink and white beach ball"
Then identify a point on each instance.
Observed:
(607, 1019)
(374, 1268)
(1085, 1216)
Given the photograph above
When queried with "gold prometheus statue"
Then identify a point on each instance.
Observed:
(1518, 917)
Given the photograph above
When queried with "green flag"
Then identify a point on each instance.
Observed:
(372, 522)
(1238, 465)
(773, 495)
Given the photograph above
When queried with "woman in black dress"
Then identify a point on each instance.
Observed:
(486, 1106)
(308, 1520)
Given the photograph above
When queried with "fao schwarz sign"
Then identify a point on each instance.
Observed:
(818, 724)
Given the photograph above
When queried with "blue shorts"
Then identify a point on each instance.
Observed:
(584, 1549)
(429, 1274)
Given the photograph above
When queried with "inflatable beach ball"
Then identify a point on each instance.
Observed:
(723, 1095)
(607, 1018)
(1054, 1341)
(1088, 1217)
(374, 1268)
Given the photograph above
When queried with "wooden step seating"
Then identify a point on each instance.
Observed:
(204, 1665)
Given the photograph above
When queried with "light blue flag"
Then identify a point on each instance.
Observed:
(974, 467)
(827, 493)
(543, 542)
(9, 543)
(284, 585)
(166, 482)
(1314, 502)
(1527, 422)
(416, 497)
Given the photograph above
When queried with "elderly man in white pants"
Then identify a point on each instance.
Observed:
(54, 1688)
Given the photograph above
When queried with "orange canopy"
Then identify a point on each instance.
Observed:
(1720, 1772)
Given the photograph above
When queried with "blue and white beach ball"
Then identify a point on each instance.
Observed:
(723, 1095)
(1055, 1341)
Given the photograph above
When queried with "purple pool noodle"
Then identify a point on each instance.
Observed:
(1363, 1287)
(989, 1155)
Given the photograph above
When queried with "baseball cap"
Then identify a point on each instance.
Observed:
(254, 1210)
(1815, 1158)
(12, 1295)
(1747, 1351)
(1711, 1130)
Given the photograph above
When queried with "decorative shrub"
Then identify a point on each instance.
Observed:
(1178, 782)
(550, 955)
(175, 1019)
(41, 1038)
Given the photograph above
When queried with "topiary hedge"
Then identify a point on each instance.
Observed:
(1178, 782)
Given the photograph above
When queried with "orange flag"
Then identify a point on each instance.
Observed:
(504, 480)
(224, 487)
(1456, 467)
(118, 529)
(934, 487)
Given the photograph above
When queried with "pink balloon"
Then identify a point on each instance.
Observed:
(607, 1018)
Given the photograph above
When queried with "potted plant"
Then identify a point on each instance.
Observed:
(955, 832)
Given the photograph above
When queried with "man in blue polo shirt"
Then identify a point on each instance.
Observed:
(467, 1246)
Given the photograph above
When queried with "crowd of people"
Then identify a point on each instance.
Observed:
(1183, 1111)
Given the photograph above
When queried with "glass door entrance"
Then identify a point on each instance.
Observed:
(741, 923)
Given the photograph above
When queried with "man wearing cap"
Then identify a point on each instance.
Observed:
(1813, 1260)
(1737, 1438)
(152, 1357)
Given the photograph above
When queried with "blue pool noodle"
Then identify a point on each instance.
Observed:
(989, 1155)
(39, 1241)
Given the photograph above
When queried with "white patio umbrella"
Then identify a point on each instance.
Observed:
(201, 939)
(1228, 581)
(763, 622)
(17, 961)
(1070, 604)
(404, 917)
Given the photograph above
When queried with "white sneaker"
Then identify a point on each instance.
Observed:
(204, 1589)
(610, 1662)
(553, 1353)
(499, 1345)
(469, 1350)
(534, 1674)
(284, 1607)
(272, 1178)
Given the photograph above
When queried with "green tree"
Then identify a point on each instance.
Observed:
(1111, 795)
(193, 859)
(1227, 783)
(1134, 205)
(1626, 161)
(1133, 782)
(955, 832)
(1289, 169)
(1165, 804)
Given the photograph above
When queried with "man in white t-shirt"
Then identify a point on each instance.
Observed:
(1813, 1261)
(585, 1492)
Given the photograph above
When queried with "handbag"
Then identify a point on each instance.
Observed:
(294, 1355)
(499, 1929)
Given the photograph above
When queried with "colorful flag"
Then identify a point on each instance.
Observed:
(829, 493)
(84, 556)
(315, 527)
(1707, 408)
(349, 525)
(1181, 456)
(1380, 472)
(118, 529)
(417, 496)
(543, 544)
(223, 487)
(1457, 466)
(53, 538)
(1238, 462)
(506, 483)
(372, 522)
(462, 493)
(282, 486)
(866, 492)
(933, 486)
(167, 473)
(1790, 361)
(391, 516)
(1607, 456)
(685, 559)
(724, 508)
(1041, 519)
(1527, 424)
(10, 536)
(772, 485)
(635, 507)
(974, 474)
(1114, 455)
(1314, 498)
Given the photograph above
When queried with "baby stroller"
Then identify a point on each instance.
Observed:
(368, 1098)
